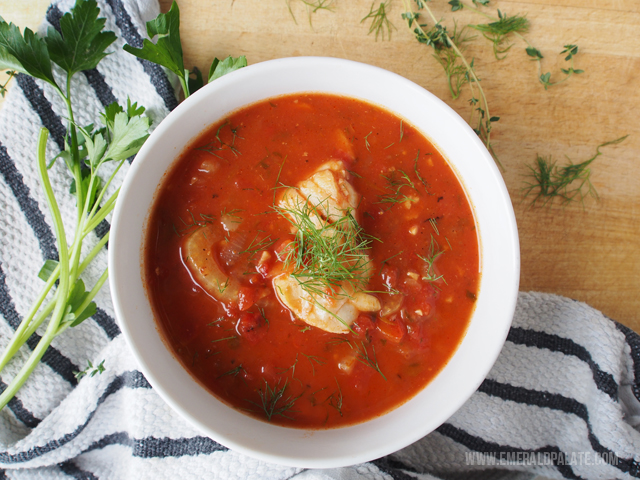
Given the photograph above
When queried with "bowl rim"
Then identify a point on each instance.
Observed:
(128, 216)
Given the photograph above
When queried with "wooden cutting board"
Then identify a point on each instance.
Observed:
(590, 251)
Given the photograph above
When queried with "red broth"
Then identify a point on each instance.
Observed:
(251, 352)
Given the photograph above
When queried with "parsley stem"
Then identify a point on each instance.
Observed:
(29, 324)
(32, 321)
(63, 286)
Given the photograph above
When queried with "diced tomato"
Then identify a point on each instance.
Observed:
(251, 326)
(246, 298)
(362, 324)
(392, 327)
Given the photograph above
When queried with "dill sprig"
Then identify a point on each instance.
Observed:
(272, 401)
(379, 20)
(193, 224)
(362, 353)
(500, 28)
(314, 358)
(291, 368)
(312, 7)
(366, 358)
(220, 145)
(433, 254)
(456, 72)
(234, 372)
(256, 245)
(396, 181)
(498, 31)
(336, 399)
(324, 255)
(415, 170)
(566, 183)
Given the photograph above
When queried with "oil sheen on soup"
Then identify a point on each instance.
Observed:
(312, 260)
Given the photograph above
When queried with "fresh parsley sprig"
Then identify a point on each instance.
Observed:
(167, 51)
(80, 45)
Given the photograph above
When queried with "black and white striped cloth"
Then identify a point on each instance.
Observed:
(563, 399)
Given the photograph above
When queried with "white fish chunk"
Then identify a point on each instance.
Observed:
(329, 190)
(325, 196)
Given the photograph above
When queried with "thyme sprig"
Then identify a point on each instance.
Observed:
(499, 29)
(456, 72)
(91, 371)
(545, 78)
(438, 38)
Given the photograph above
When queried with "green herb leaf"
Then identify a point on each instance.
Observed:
(25, 54)
(498, 31)
(75, 300)
(83, 43)
(128, 135)
(228, 65)
(86, 182)
(456, 5)
(566, 183)
(534, 52)
(167, 51)
(379, 20)
(90, 370)
(47, 269)
(571, 50)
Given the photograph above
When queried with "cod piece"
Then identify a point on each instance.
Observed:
(325, 198)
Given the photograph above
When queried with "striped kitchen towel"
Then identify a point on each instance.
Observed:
(563, 399)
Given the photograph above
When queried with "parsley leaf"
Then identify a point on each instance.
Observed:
(83, 43)
(25, 54)
(167, 51)
(123, 134)
(229, 64)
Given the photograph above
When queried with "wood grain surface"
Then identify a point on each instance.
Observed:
(589, 252)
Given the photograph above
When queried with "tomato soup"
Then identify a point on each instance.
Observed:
(238, 290)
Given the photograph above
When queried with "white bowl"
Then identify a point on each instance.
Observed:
(499, 253)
